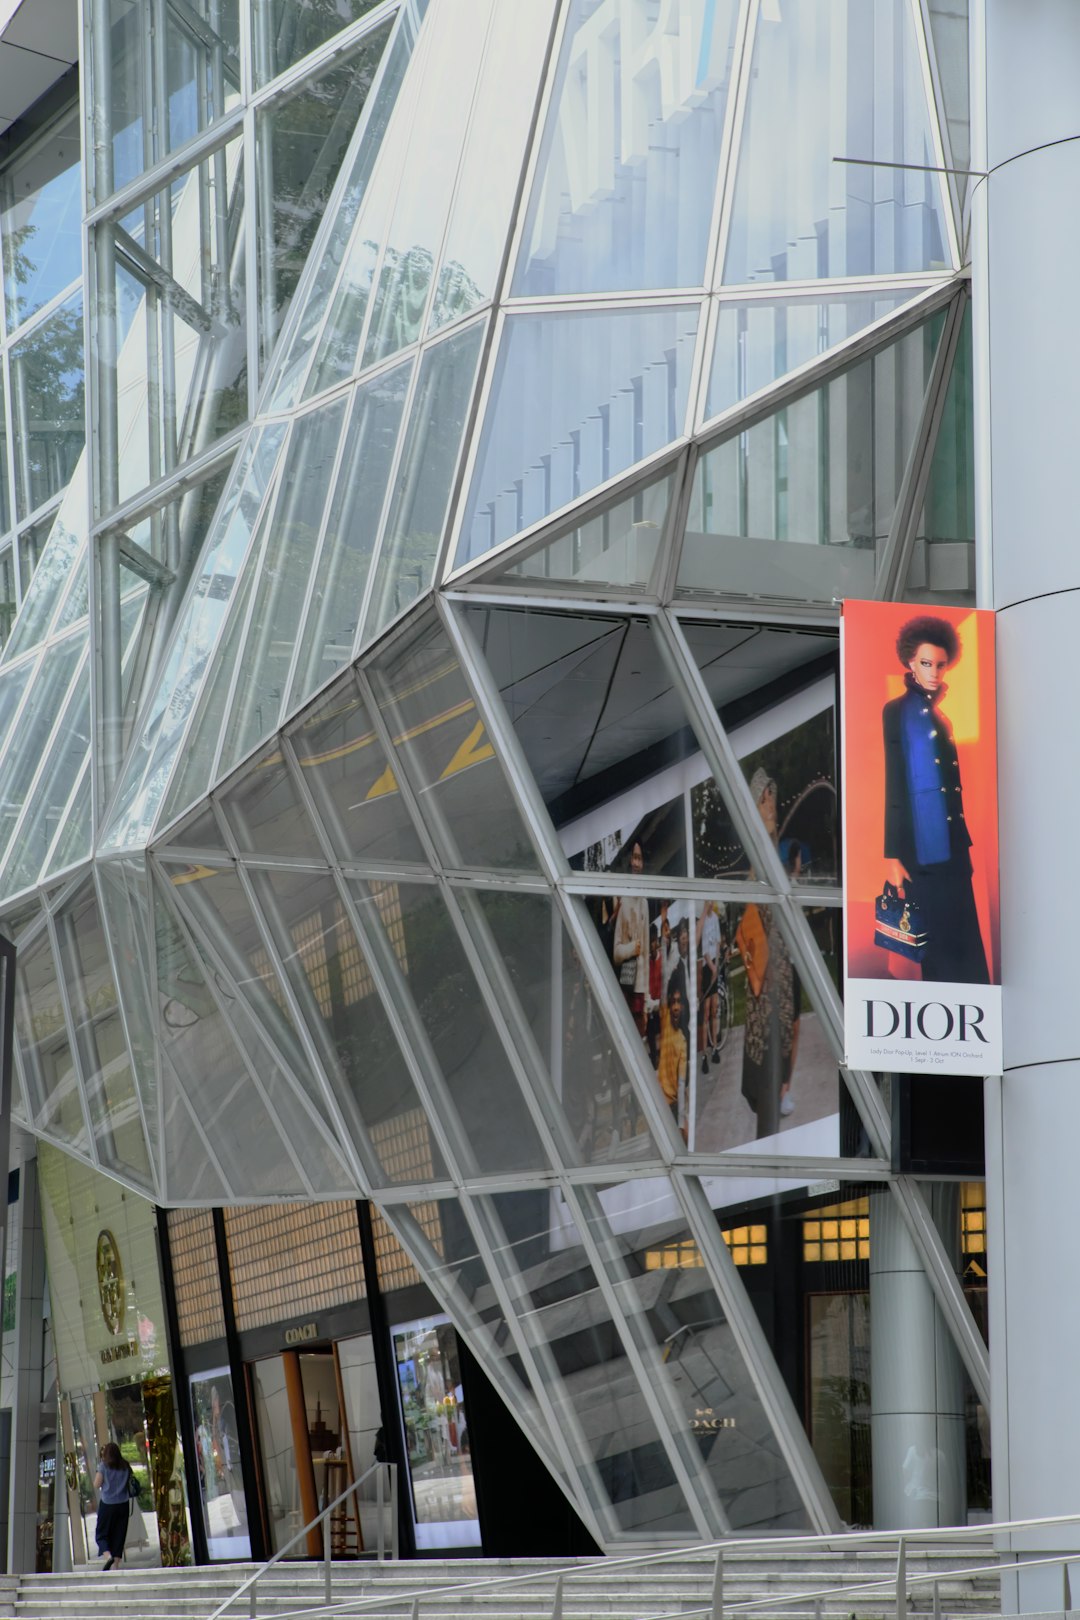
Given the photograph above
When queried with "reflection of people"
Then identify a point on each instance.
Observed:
(671, 1071)
(630, 946)
(709, 944)
(114, 1503)
(927, 843)
(769, 1037)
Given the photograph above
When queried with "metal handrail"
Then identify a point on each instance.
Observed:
(847, 1540)
(251, 1584)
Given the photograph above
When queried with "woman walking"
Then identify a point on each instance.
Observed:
(115, 1484)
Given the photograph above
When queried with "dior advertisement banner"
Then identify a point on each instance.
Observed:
(922, 974)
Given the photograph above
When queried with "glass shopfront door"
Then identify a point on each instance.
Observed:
(442, 1492)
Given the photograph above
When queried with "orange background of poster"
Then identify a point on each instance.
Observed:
(872, 674)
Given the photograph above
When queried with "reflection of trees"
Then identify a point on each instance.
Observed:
(49, 403)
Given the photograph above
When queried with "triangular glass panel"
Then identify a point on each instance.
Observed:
(577, 397)
(63, 556)
(760, 340)
(58, 693)
(769, 519)
(352, 781)
(123, 887)
(265, 812)
(191, 1169)
(850, 85)
(54, 1096)
(615, 546)
(73, 841)
(449, 759)
(65, 753)
(942, 563)
(949, 42)
(201, 831)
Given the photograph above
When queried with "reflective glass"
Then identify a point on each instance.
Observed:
(616, 546)
(448, 758)
(113, 1101)
(623, 195)
(52, 1085)
(300, 144)
(759, 341)
(603, 1121)
(124, 893)
(340, 570)
(942, 566)
(157, 743)
(329, 968)
(286, 30)
(575, 399)
(282, 569)
(354, 787)
(492, 159)
(265, 814)
(186, 1164)
(47, 387)
(41, 222)
(61, 557)
(799, 505)
(165, 83)
(678, 1320)
(593, 1382)
(52, 683)
(425, 477)
(491, 1116)
(849, 82)
(8, 594)
(949, 40)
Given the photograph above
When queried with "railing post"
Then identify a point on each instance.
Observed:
(1066, 1589)
(718, 1586)
(379, 1508)
(393, 1512)
(328, 1561)
(252, 1599)
(817, 1608)
(901, 1580)
(414, 1613)
(556, 1607)
(937, 1600)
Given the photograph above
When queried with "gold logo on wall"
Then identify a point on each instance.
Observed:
(110, 1281)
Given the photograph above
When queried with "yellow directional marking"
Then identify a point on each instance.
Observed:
(471, 752)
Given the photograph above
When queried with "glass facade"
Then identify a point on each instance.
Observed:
(418, 737)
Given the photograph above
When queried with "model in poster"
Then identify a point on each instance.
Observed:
(927, 843)
(769, 1038)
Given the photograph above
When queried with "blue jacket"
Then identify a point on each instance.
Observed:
(924, 802)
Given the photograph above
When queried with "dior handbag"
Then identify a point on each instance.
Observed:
(898, 925)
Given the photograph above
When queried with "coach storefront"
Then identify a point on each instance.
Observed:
(113, 1366)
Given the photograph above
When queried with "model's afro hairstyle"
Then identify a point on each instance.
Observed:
(935, 632)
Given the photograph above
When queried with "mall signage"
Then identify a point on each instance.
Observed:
(922, 975)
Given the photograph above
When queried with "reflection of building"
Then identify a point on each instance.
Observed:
(481, 436)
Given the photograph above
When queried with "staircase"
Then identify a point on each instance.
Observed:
(604, 1592)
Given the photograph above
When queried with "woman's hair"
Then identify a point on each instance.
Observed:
(111, 1455)
(934, 632)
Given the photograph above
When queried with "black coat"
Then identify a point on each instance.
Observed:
(899, 826)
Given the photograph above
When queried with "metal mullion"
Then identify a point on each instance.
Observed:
(827, 367)
(671, 562)
(944, 1282)
(724, 765)
(935, 110)
(293, 78)
(196, 939)
(30, 323)
(757, 1357)
(729, 147)
(379, 535)
(496, 596)
(313, 569)
(741, 82)
(794, 615)
(646, 1364)
(737, 890)
(61, 824)
(160, 178)
(811, 1168)
(73, 1046)
(118, 980)
(483, 384)
(503, 882)
(826, 289)
(896, 553)
(370, 700)
(9, 462)
(697, 400)
(582, 302)
(154, 497)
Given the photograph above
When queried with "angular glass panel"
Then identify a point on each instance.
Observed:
(943, 561)
(576, 398)
(282, 570)
(593, 1382)
(341, 567)
(616, 546)
(52, 682)
(850, 84)
(300, 144)
(288, 368)
(623, 195)
(53, 1095)
(41, 222)
(775, 693)
(354, 787)
(949, 41)
(678, 1320)
(266, 815)
(286, 30)
(55, 574)
(125, 905)
(232, 1117)
(491, 1114)
(66, 753)
(425, 477)
(113, 1100)
(186, 1163)
(329, 970)
(602, 1114)
(47, 385)
(759, 341)
(149, 765)
(166, 84)
(494, 155)
(798, 506)
(444, 749)
(73, 843)
(8, 595)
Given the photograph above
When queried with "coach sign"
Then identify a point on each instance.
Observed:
(922, 980)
